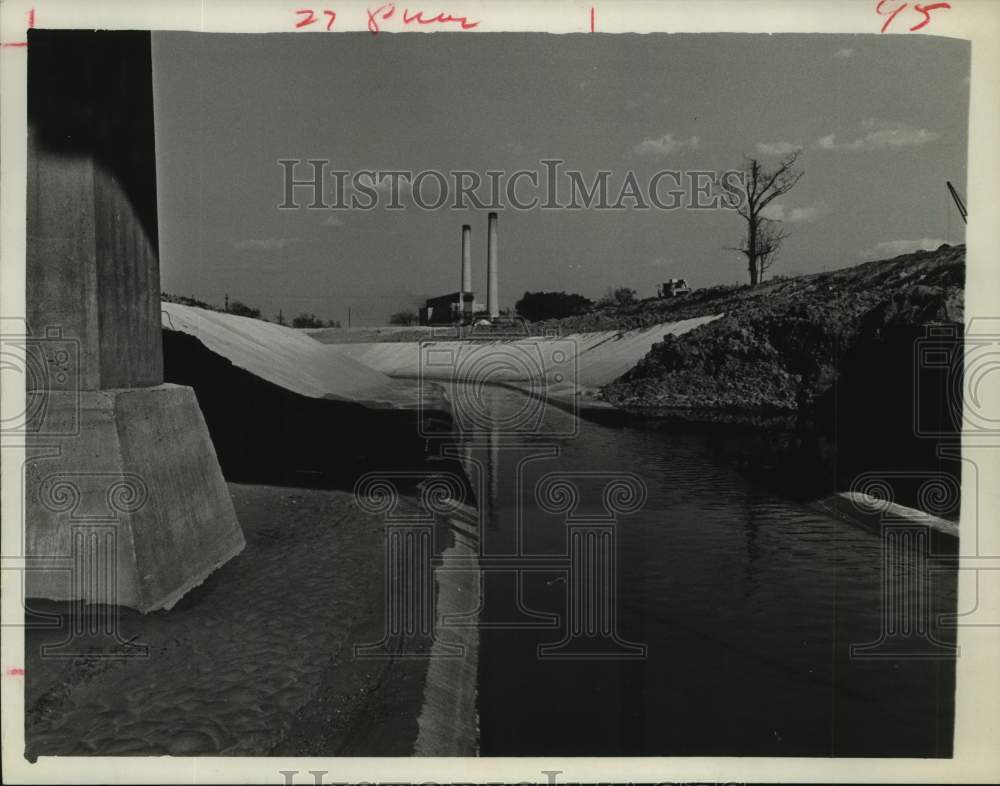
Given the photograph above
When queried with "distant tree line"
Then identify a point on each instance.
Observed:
(241, 309)
(539, 306)
(404, 317)
(183, 300)
(618, 296)
(536, 306)
(312, 321)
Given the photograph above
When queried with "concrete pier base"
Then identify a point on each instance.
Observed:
(124, 498)
(131, 509)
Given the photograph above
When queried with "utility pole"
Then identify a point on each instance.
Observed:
(348, 316)
(281, 317)
(226, 309)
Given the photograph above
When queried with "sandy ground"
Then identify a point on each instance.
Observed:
(257, 660)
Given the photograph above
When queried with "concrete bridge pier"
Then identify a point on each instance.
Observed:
(125, 502)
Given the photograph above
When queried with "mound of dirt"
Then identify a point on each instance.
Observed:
(781, 346)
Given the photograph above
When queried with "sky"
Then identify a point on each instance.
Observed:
(881, 121)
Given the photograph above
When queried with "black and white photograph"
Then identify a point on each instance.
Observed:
(397, 381)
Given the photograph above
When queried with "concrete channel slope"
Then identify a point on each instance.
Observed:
(287, 357)
(319, 366)
(580, 361)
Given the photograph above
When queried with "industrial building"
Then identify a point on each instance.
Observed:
(461, 307)
(447, 310)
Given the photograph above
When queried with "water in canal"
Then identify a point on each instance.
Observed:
(733, 609)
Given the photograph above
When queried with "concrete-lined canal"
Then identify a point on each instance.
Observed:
(726, 629)
(747, 605)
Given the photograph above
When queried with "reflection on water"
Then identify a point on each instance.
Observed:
(747, 605)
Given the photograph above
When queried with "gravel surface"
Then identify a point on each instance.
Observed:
(236, 662)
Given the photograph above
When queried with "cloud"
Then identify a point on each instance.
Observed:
(777, 148)
(664, 145)
(844, 54)
(880, 135)
(827, 142)
(266, 244)
(383, 185)
(336, 220)
(796, 215)
(662, 262)
(893, 248)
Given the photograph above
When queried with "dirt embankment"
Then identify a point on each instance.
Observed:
(818, 382)
(781, 346)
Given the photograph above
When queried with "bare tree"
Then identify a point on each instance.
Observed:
(769, 237)
(762, 186)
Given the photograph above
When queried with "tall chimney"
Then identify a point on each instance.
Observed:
(492, 288)
(465, 306)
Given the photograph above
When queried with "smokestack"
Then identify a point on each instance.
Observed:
(492, 288)
(466, 307)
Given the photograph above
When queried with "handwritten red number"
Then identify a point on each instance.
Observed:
(920, 8)
(892, 14)
(926, 11)
(309, 17)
